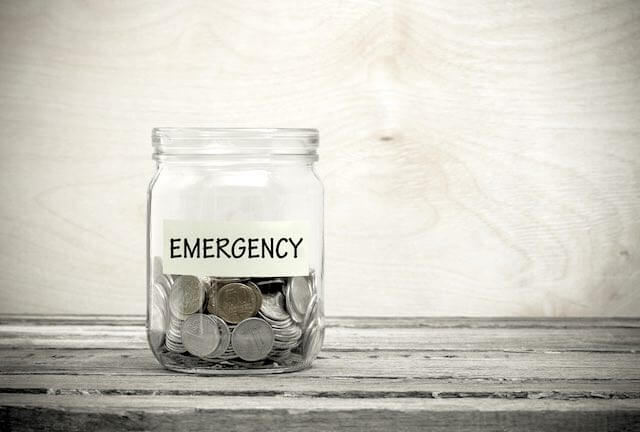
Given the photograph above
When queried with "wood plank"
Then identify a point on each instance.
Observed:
(482, 322)
(114, 383)
(499, 144)
(359, 322)
(70, 412)
(355, 338)
(375, 374)
(492, 365)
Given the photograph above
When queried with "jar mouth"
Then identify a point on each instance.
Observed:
(201, 141)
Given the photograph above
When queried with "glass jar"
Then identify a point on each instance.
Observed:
(235, 250)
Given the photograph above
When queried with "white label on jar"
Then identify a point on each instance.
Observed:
(236, 249)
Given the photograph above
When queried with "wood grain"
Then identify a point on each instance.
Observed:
(148, 413)
(351, 386)
(494, 148)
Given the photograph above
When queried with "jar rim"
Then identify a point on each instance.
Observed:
(208, 141)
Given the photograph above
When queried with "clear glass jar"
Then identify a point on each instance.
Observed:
(235, 250)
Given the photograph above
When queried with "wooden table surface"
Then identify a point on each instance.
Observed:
(96, 373)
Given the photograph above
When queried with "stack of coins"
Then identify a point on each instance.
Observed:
(185, 299)
(173, 340)
(241, 319)
(229, 353)
(286, 331)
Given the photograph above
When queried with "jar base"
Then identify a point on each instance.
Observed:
(185, 363)
(239, 371)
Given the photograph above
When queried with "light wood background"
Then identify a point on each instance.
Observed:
(480, 158)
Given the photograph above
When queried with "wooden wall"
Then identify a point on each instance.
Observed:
(480, 158)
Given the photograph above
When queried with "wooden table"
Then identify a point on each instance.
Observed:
(374, 374)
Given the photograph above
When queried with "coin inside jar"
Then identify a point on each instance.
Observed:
(300, 292)
(225, 337)
(200, 335)
(252, 339)
(235, 302)
(187, 296)
(273, 306)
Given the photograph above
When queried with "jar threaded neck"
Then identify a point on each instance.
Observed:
(238, 142)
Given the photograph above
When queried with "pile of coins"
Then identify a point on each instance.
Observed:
(234, 319)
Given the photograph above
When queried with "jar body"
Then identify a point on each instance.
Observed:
(235, 263)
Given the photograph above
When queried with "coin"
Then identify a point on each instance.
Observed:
(210, 288)
(200, 335)
(256, 292)
(312, 341)
(165, 283)
(252, 339)
(299, 294)
(211, 296)
(174, 333)
(273, 306)
(312, 312)
(249, 320)
(267, 281)
(157, 325)
(277, 323)
(236, 301)
(175, 347)
(295, 316)
(158, 317)
(227, 280)
(158, 295)
(173, 339)
(187, 296)
(225, 337)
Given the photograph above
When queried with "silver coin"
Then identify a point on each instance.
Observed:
(225, 337)
(157, 316)
(187, 296)
(227, 280)
(312, 341)
(174, 331)
(295, 315)
(200, 335)
(287, 337)
(165, 283)
(175, 322)
(285, 344)
(228, 354)
(270, 281)
(273, 306)
(252, 339)
(312, 279)
(158, 295)
(211, 288)
(174, 336)
(175, 347)
(276, 323)
(168, 340)
(312, 312)
(288, 330)
(300, 294)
